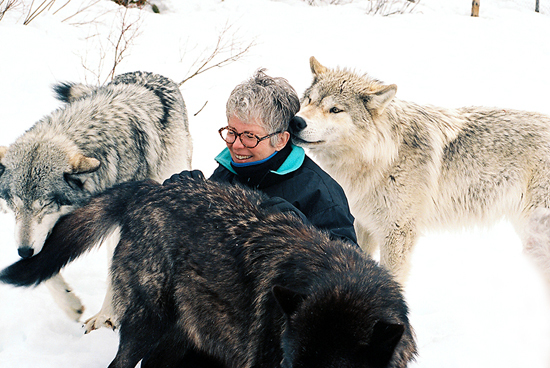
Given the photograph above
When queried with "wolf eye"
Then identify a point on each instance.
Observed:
(47, 206)
(335, 110)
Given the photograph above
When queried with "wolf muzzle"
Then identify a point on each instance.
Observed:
(297, 124)
(25, 252)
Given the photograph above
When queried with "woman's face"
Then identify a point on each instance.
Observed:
(241, 154)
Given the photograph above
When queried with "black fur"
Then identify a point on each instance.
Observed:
(202, 266)
(63, 91)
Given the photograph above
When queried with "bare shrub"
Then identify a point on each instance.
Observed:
(329, 2)
(33, 12)
(381, 7)
(7, 5)
(127, 3)
(30, 10)
(227, 49)
(120, 44)
(137, 3)
(390, 7)
(113, 49)
(81, 10)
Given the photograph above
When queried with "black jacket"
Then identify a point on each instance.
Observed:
(302, 183)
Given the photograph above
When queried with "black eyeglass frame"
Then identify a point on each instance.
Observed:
(259, 139)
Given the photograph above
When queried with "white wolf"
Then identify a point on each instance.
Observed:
(133, 128)
(406, 167)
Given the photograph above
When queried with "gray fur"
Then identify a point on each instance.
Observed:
(204, 266)
(130, 129)
(406, 168)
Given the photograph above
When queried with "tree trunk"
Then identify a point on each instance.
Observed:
(475, 8)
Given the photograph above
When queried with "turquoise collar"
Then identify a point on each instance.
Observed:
(292, 162)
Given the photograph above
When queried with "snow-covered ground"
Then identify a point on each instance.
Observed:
(475, 300)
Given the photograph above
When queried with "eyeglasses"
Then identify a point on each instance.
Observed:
(248, 139)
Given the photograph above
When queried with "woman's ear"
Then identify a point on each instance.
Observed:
(283, 140)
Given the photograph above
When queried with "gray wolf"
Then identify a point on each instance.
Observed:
(202, 265)
(406, 168)
(130, 129)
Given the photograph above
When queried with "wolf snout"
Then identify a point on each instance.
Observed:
(297, 124)
(25, 252)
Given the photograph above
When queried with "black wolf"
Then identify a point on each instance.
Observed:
(204, 266)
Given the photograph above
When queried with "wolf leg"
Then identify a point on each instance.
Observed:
(65, 298)
(141, 330)
(169, 352)
(105, 316)
(536, 240)
(365, 239)
(396, 251)
(131, 349)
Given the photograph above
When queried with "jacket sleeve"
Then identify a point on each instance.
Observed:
(222, 175)
(325, 204)
(278, 204)
(338, 221)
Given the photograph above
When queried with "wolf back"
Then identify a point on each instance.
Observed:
(202, 266)
(130, 129)
(406, 167)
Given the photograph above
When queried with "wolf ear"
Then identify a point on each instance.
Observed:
(69, 92)
(316, 67)
(288, 300)
(3, 151)
(81, 164)
(378, 101)
(384, 339)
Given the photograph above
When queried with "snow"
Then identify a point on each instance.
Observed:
(475, 299)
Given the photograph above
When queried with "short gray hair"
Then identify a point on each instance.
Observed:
(271, 101)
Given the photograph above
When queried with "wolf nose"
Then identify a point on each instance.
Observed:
(297, 124)
(25, 252)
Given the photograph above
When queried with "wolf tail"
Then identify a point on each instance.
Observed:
(72, 236)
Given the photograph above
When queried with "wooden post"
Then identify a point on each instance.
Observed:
(475, 8)
(537, 6)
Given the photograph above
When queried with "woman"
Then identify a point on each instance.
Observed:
(259, 155)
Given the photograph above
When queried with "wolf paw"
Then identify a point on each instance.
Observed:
(75, 311)
(65, 298)
(98, 321)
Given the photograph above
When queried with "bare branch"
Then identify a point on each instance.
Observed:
(31, 15)
(203, 106)
(382, 7)
(82, 10)
(10, 5)
(113, 48)
(223, 46)
(390, 7)
(61, 7)
(128, 32)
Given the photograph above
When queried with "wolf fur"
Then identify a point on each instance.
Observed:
(406, 167)
(202, 265)
(130, 129)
